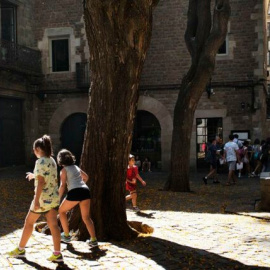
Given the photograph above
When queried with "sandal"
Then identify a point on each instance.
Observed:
(228, 184)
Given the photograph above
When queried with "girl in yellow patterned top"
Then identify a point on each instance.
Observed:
(46, 199)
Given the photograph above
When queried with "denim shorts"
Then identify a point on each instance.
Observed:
(231, 165)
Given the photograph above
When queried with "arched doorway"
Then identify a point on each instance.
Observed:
(72, 134)
(147, 138)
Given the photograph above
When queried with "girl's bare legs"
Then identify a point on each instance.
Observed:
(64, 208)
(51, 217)
(85, 212)
(258, 166)
(133, 195)
(128, 197)
(30, 220)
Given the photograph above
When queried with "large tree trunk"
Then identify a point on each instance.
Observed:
(118, 34)
(203, 40)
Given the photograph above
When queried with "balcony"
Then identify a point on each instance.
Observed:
(19, 58)
(83, 75)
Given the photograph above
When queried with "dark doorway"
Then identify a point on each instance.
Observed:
(146, 138)
(11, 132)
(206, 129)
(72, 134)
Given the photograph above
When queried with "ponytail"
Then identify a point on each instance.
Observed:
(45, 144)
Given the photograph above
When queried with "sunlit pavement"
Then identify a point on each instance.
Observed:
(213, 227)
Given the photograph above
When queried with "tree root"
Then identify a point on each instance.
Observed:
(141, 227)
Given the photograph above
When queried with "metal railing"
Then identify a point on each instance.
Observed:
(19, 58)
(83, 75)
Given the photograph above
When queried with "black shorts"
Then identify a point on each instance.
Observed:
(78, 194)
(214, 165)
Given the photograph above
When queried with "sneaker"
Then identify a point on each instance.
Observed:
(55, 258)
(205, 180)
(16, 253)
(92, 243)
(64, 238)
(136, 209)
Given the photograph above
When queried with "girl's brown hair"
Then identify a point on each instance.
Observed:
(65, 158)
(45, 144)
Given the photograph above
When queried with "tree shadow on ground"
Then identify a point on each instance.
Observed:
(16, 196)
(60, 265)
(171, 255)
(210, 198)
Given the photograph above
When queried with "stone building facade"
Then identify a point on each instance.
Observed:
(56, 102)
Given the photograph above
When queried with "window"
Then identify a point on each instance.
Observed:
(223, 48)
(268, 54)
(60, 55)
(8, 23)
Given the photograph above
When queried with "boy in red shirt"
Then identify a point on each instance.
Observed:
(131, 180)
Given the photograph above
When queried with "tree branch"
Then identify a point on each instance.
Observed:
(192, 22)
(204, 23)
(207, 59)
(218, 33)
(155, 3)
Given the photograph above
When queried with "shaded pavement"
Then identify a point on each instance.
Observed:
(212, 227)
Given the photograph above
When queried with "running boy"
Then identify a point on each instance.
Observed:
(131, 182)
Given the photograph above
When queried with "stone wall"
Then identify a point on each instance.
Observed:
(167, 62)
(25, 23)
(56, 19)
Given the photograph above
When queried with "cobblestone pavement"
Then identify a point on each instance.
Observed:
(212, 227)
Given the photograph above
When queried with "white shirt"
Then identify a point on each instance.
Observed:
(231, 148)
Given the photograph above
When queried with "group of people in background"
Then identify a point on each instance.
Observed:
(241, 156)
(144, 166)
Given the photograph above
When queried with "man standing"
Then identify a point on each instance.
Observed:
(231, 156)
(212, 159)
(237, 141)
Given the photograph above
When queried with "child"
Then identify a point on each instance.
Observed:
(78, 193)
(46, 199)
(132, 176)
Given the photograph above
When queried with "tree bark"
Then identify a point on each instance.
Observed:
(118, 34)
(203, 39)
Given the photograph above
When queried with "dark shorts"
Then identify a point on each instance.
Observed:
(130, 187)
(213, 164)
(78, 194)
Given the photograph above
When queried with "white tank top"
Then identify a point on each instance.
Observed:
(74, 179)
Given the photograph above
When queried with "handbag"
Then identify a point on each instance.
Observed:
(239, 166)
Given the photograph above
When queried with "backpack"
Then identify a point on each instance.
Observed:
(239, 143)
(241, 152)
